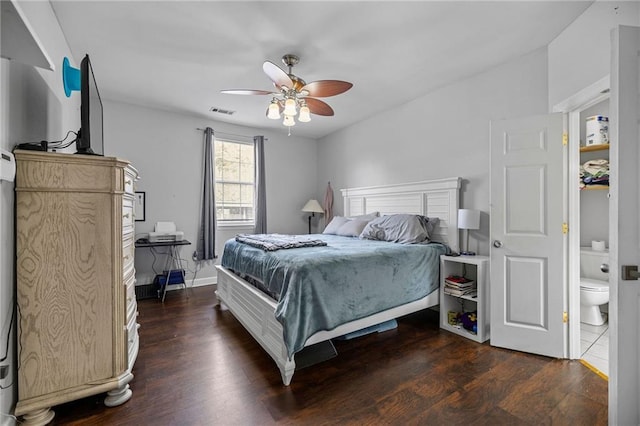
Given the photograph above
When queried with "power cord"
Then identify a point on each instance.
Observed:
(45, 145)
(6, 353)
(10, 416)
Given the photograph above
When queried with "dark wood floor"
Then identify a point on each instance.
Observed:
(198, 366)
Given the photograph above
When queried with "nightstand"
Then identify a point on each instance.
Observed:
(453, 304)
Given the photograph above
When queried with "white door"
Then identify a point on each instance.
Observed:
(624, 300)
(528, 285)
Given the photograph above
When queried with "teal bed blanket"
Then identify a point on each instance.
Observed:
(320, 288)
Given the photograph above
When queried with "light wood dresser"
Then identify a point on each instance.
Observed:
(78, 334)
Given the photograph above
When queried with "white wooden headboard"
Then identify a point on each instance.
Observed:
(431, 198)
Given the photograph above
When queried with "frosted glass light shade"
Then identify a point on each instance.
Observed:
(290, 107)
(289, 121)
(274, 111)
(313, 206)
(468, 219)
(304, 116)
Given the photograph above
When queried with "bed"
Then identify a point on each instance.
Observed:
(264, 317)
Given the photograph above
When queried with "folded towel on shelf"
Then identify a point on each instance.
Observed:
(594, 172)
(596, 167)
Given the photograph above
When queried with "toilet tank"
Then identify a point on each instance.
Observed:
(590, 261)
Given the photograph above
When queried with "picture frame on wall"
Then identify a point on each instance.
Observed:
(139, 206)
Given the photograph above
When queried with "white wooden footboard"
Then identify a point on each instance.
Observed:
(256, 312)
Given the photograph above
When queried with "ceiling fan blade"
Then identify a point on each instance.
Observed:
(326, 88)
(318, 107)
(275, 73)
(247, 92)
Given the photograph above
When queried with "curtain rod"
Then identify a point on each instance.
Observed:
(230, 134)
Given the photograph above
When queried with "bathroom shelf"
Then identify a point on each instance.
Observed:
(593, 148)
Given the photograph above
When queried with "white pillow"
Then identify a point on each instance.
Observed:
(352, 228)
(335, 224)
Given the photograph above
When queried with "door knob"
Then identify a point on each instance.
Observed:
(630, 272)
(497, 243)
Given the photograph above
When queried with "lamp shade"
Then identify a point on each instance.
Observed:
(468, 219)
(313, 206)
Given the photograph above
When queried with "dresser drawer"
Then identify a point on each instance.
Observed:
(132, 329)
(127, 257)
(132, 307)
(127, 236)
(129, 179)
(129, 276)
(130, 287)
(133, 349)
(127, 215)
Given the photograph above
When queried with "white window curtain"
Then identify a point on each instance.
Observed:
(260, 193)
(207, 234)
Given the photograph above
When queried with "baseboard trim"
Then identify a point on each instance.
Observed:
(198, 282)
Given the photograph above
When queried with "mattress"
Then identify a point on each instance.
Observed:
(320, 288)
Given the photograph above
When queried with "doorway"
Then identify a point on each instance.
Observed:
(588, 218)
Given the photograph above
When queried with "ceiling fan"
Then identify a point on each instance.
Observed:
(294, 95)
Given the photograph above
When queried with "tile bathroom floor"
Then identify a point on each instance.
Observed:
(594, 345)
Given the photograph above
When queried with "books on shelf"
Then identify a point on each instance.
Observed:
(460, 286)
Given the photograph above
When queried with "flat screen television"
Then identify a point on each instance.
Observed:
(90, 136)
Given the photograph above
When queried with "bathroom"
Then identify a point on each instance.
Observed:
(594, 237)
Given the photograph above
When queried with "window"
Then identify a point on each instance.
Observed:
(235, 181)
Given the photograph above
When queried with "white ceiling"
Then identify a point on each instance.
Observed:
(178, 55)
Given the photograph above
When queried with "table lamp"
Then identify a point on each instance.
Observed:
(313, 207)
(468, 219)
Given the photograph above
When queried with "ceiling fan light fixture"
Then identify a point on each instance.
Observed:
(290, 107)
(305, 114)
(289, 121)
(274, 110)
(293, 96)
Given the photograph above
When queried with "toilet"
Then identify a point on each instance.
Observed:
(594, 285)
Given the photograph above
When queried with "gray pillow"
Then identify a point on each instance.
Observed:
(429, 223)
(335, 224)
(352, 228)
(396, 228)
(367, 217)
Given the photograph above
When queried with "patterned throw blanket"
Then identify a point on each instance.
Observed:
(273, 242)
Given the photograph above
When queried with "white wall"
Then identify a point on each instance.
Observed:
(581, 54)
(33, 107)
(167, 150)
(442, 134)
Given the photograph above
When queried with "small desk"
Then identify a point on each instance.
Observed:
(173, 260)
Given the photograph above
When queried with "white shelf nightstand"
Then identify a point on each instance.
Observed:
(475, 268)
